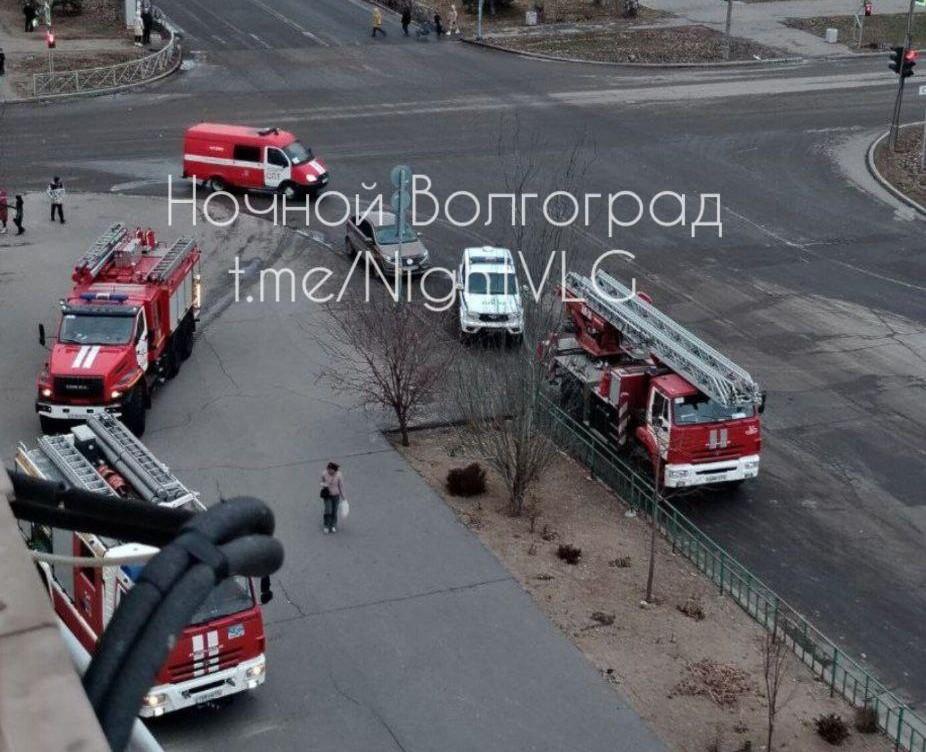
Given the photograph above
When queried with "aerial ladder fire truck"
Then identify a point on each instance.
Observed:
(127, 324)
(221, 652)
(647, 385)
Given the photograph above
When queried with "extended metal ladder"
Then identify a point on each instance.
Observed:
(149, 476)
(648, 331)
(100, 253)
(76, 469)
(172, 258)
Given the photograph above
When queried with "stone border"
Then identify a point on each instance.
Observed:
(876, 174)
(555, 59)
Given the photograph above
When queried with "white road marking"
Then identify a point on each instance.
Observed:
(220, 40)
(261, 41)
(289, 22)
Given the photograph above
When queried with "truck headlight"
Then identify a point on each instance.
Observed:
(751, 464)
(115, 394)
(46, 392)
(156, 702)
(255, 672)
(678, 472)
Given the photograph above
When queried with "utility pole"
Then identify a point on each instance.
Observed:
(479, 21)
(898, 103)
(727, 43)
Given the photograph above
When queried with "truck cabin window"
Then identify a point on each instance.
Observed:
(298, 153)
(699, 408)
(78, 329)
(230, 597)
(389, 235)
(492, 283)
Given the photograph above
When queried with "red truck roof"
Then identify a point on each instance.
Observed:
(674, 386)
(242, 134)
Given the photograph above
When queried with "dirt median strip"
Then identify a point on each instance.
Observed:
(674, 659)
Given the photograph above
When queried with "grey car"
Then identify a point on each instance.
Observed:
(378, 233)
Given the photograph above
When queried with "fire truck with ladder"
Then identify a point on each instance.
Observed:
(221, 652)
(127, 324)
(649, 386)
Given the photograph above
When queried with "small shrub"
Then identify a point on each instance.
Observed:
(466, 481)
(832, 729)
(866, 720)
(569, 554)
(692, 608)
(547, 534)
(605, 619)
(621, 562)
(747, 747)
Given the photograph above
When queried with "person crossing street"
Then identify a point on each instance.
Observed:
(55, 193)
(332, 491)
(377, 22)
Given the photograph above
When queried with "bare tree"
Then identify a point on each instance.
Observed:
(385, 354)
(500, 393)
(775, 655)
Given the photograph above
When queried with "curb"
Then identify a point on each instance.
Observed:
(875, 173)
(554, 59)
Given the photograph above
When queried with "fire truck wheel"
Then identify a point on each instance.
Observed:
(185, 335)
(216, 184)
(133, 411)
(50, 425)
(290, 191)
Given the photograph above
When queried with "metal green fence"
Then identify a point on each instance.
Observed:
(821, 655)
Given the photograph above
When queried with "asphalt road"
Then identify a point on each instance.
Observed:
(817, 285)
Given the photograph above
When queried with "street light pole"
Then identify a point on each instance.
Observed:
(479, 21)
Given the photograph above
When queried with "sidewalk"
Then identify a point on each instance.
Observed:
(761, 22)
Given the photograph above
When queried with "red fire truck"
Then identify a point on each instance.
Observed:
(128, 323)
(221, 653)
(645, 383)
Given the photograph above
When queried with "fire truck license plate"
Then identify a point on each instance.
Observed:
(207, 696)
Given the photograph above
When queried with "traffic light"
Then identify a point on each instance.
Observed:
(896, 59)
(909, 62)
(50, 39)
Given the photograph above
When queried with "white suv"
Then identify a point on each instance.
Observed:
(490, 297)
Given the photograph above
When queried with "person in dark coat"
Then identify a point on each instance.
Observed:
(406, 19)
(29, 11)
(147, 21)
(438, 26)
(2, 62)
(18, 214)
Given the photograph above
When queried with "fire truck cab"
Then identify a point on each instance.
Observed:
(259, 159)
(629, 373)
(128, 323)
(221, 652)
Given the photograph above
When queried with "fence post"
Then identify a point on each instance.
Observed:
(833, 671)
(722, 558)
(899, 728)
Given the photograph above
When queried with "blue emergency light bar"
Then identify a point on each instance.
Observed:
(115, 297)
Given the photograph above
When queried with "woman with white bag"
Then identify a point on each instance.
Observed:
(332, 494)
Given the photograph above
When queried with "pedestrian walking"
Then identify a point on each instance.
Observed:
(139, 29)
(55, 193)
(331, 494)
(406, 19)
(438, 26)
(147, 21)
(30, 12)
(452, 28)
(18, 214)
(377, 22)
(4, 208)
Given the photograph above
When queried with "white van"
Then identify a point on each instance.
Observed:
(489, 293)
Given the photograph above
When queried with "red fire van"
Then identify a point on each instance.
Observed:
(258, 159)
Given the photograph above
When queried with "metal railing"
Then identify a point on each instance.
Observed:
(821, 655)
(109, 77)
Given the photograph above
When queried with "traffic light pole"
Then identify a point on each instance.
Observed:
(898, 103)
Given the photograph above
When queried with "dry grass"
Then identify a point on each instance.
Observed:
(648, 652)
(902, 168)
